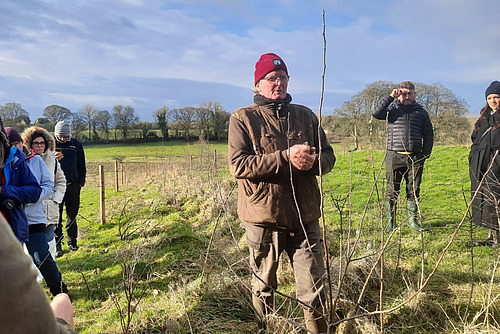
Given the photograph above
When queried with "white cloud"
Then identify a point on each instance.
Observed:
(67, 50)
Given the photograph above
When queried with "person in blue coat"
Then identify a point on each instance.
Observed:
(18, 186)
(37, 244)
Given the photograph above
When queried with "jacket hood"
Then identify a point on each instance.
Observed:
(28, 134)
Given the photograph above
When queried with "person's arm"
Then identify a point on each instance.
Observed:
(59, 183)
(427, 136)
(44, 179)
(28, 190)
(82, 169)
(380, 110)
(244, 163)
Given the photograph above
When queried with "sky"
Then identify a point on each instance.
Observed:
(179, 53)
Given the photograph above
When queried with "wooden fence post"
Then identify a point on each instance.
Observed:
(116, 176)
(103, 195)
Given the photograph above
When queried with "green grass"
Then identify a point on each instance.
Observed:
(189, 271)
(155, 150)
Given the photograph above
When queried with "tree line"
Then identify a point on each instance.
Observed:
(208, 121)
(351, 123)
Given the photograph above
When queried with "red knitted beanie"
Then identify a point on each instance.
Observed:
(268, 62)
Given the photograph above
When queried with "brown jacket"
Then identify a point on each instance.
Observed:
(258, 142)
(24, 305)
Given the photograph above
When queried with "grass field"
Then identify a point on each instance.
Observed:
(170, 258)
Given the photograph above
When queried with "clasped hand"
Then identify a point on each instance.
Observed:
(302, 156)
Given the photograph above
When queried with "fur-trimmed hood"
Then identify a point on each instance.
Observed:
(28, 134)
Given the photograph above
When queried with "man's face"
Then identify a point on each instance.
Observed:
(494, 101)
(406, 96)
(62, 139)
(273, 85)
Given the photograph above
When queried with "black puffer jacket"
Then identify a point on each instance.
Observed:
(409, 128)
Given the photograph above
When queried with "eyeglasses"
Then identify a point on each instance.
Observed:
(38, 143)
(283, 78)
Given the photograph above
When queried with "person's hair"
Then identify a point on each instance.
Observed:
(483, 116)
(406, 85)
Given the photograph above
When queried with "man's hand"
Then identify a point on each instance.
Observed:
(62, 308)
(58, 155)
(302, 156)
(395, 93)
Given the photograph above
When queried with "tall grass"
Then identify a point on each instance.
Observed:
(192, 276)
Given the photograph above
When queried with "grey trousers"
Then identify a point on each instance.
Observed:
(306, 256)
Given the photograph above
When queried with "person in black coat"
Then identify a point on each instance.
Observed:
(71, 156)
(410, 138)
(485, 144)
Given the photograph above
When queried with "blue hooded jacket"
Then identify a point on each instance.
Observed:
(21, 186)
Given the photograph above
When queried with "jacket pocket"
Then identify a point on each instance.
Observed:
(52, 209)
(256, 193)
(258, 238)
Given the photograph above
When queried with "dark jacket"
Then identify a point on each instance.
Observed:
(73, 163)
(485, 142)
(409, 128)
(22, 187)
(259, 136)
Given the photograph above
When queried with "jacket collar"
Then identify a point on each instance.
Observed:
(273, 106)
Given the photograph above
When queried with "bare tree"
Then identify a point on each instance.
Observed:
(103, 121)
(440, 101)
(55, 113)
(356, 115)
(185, 118)
(77, 125)
(88, 113)
(12, 114)
(161, 118)
(219, 118)
(124, 117)
(204, 116)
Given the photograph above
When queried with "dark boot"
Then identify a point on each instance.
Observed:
(72, 245)
(58, 288)
(390, 211)
(262, 306)
(59, 251)
(412, 211)
(315, 322)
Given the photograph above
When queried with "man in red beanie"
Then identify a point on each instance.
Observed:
(272, 153)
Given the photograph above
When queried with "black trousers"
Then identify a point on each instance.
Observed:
(72, 202)
(407, 166)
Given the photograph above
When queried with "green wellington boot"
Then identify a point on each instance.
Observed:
(390, 211)
(412, 210)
